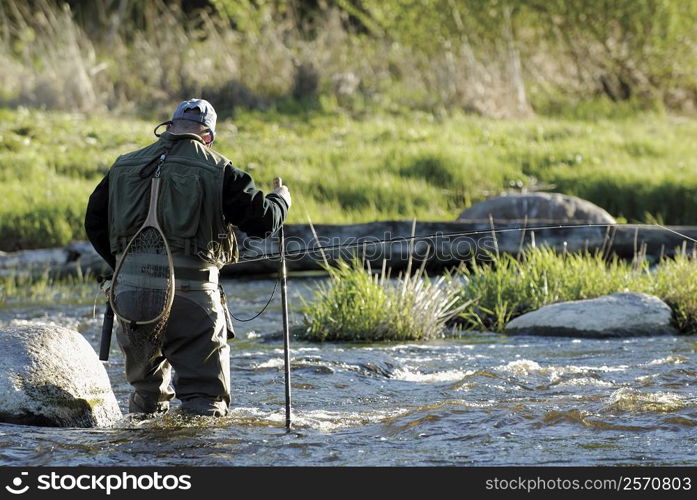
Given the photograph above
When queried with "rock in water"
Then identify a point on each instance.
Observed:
(547, 207)
(51, 376)
(615, 315)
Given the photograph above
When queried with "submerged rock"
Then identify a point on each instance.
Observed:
(383, 368)
(51, 376)
(547, 207)
(615, 315)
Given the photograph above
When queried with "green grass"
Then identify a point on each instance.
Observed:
(357, 305)
(345, 169)
(18, 289)
(507, 287)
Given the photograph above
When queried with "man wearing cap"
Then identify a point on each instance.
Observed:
(202, 196)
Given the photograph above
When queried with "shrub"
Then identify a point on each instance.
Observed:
(357, 305)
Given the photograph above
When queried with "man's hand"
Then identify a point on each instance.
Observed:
(281, 190)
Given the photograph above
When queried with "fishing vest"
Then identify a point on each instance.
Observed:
(190, 209)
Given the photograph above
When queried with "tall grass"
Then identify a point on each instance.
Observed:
(508, 287)
(54, 61)
(357, 305)
(23, 288)
(429, 56)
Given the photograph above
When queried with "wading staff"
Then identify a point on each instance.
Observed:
(284, 308)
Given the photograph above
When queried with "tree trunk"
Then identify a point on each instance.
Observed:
(515, 68)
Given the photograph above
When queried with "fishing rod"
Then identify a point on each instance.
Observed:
(675, 232)
(401, 239)
(282, 254)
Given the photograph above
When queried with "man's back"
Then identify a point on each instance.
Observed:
(190, 208)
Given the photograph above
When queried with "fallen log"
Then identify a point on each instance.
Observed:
(446, 244)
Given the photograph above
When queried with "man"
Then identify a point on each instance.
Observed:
(201, 197)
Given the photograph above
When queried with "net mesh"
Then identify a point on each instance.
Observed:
(142, 288)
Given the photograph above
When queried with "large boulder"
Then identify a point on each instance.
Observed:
(615, 315)
(542, 207)
(51, 376)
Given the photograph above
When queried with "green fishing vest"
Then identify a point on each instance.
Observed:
(190, 209)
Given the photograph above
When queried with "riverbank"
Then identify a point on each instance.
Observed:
(502, 274)
(347, 169)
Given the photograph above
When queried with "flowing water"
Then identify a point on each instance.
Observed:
(473, 399)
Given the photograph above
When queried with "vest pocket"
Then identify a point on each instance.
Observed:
(128, 203)
(180, 205)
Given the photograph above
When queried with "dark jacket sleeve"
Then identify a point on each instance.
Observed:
(97, 221)
(247, 208)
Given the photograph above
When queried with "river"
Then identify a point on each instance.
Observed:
(473, 399)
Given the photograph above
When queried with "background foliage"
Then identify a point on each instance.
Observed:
(495, 57)
(369, 109)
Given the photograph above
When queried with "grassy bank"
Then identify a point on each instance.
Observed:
(346, 168)
(355, 305)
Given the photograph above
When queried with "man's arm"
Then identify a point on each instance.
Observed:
(247, 208)
(97, 221)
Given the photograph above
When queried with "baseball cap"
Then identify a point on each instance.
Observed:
(206, 114)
